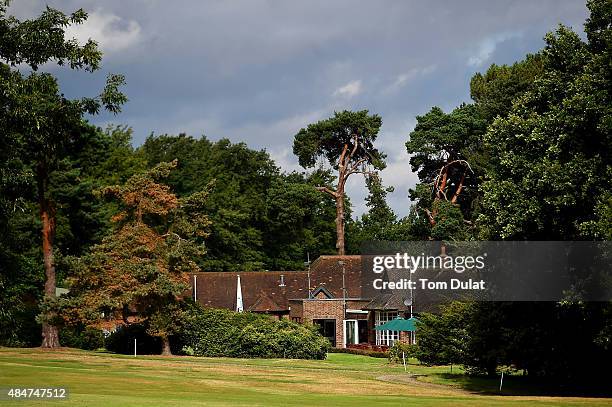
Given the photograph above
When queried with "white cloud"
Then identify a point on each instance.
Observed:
(110, 31)
(404, 78)
(284, 158)
(487, 47)
(353, 88)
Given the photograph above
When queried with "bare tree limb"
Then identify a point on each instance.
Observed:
(364, 172)
(459, 188)
(442, 179)
(355, 145)
(430, 216)
(341, 160)
(327, 191)
(354, 169)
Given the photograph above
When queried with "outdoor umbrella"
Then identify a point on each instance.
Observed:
(399, 324)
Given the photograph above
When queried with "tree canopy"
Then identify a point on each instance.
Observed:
(555, 144)
(346, 141)
(261, 218)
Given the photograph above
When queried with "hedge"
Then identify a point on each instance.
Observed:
(219, 332)
(364, 352)
(81, 337)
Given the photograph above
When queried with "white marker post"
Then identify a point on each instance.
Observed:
(501, 381)
(134, 347)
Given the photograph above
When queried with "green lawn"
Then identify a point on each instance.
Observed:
(101, 379)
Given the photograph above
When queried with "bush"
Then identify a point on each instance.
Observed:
(82, 338)
(212, 332)
(18, 326)
(218, 332)
(408, 350)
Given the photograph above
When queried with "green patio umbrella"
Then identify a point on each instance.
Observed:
(399, 324)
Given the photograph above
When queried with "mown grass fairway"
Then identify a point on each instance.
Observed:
(100, 379)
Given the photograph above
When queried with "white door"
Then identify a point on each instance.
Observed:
(351, 333)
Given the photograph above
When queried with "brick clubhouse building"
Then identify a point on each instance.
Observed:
(329, 294)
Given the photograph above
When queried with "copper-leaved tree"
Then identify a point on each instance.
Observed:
(138, 274)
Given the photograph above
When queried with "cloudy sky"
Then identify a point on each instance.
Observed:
(258, 71)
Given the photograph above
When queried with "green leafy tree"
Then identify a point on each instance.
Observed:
(542, 171)
(237, 204)
(346, 141)
(443, 148)
(42, 123)
(450, 156)
(138, 274)
(261, 218)
(443, 338)
(379, 222)
(380, 217)
(97, 159)
(556, 144)
(549, 179)
(299, 222)
(494, 91)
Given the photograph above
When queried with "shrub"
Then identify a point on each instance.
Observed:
(218, 332)
(408, 350)
(18, 326)
(82, 338)
(270, 339)
(214, 332)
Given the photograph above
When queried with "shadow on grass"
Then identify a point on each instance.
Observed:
(515, 385)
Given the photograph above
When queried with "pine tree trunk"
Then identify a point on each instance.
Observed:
(50, 333)
(50, 336)
(166, 346)
(340, 222)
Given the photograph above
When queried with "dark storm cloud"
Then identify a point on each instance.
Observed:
(258, 71)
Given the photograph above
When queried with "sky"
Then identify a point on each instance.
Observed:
(257, 71)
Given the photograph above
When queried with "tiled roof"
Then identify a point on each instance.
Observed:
(264, 303)
(262, 290)
(218, 289)
(327, 272)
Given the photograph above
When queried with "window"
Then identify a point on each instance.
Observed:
(327, 328)
(296, 319)
(386, 338)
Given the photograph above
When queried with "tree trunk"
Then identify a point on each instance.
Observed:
(340, 221)
(166, 346)
(50, 334)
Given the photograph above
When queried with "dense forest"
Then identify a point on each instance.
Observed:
(528, 158)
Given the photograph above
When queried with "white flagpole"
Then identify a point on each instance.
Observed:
(239, 305)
